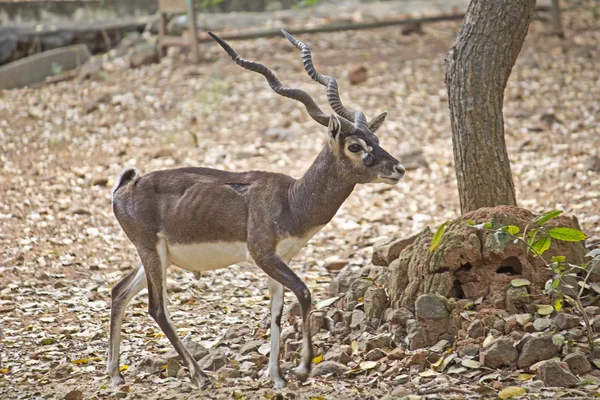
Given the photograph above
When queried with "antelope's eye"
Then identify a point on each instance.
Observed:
(355, 148)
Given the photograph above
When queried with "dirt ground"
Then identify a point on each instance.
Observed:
(62, 249)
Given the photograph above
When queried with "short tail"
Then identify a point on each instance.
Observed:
(127, 175)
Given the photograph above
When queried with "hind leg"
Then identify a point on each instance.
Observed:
(156, 263)
(122, 293)
(276, 294)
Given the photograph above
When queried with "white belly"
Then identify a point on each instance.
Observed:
(215, 255)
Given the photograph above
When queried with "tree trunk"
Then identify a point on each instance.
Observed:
(557, 20)
(477, 69)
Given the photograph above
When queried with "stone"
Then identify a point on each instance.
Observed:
(150, 365)
(317, 322)
(387, 250)
(412, 28)
(338, 353)
(36, 68)
(517, 300)
(529, 328)
(227, 372)
(335, 264)
(541, 324)
(469, 350)
(294, 308)
(396, 354)
(564, 321)
(173, 368)
(340, 328)
(431, 306)
(367, 342)
(498, 354)
(328, 367)
(592, 311)
(213, 362)
(476, 329)
(342, 281)
(143, 54)
(401, 392)
(592, 163)
(555, 374)
(237, 331)
(251, 346)
(359, 318)
(196, 350)
(578, 363)
(375, 302)
(357, 289)
(374, 355)
(537, 349)
(89, 70)
(419, 359)
(357, 74)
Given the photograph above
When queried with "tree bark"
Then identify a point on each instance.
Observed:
(477, 70)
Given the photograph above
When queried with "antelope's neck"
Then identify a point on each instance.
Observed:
(315, 198)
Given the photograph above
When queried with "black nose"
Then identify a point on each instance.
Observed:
(400, 168)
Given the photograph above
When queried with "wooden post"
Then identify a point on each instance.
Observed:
(162, 29)
(193, 32)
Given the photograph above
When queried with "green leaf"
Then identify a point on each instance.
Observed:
(547, 216)
(555, 283)
(471, 222)
(541, 245)
(532, 234)
(435, 242)
(518, 282)
(567, 234)
(512, 229)
(559, 259)
(544, 309)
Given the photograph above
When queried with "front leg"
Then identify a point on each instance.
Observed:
(276, 294)
(278, 270)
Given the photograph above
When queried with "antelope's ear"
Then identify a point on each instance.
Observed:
(333, 132)
(376, 122)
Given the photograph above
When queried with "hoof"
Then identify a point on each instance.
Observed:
(117, 381)
(279, 382)
(201, 381)
(301, 373)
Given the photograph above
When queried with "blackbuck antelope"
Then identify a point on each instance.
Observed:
(203, 219)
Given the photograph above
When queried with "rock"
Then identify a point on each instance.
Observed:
(413, 159)
(342, 281)
(476, 329)
(374, 355)
(431, 306)
(387, 250)
(396, 354)
(416, 336)
(500, 353)
(213, 361)
(196, 350)
(338, 353)
(359, 318)
(578, 363)
(143, 54)
(433, 316)
(237, 331)
(150, 365)
(89, 70)
(367, 342)
(317, 322)
(294, 308)
(592, 163)
(357, 74)
(375, 302)
(469, 350)
(517, 300)
(340, 328)
(60, 371)
(537, 349)
(173, 368)
(541, 324)
(592, 311)
(555, 374)
(564, 321)
(357, 289)
(419, 359)
(328, 367)
(91, 105)
(227, 372)
(251, 346)
(529, 328)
